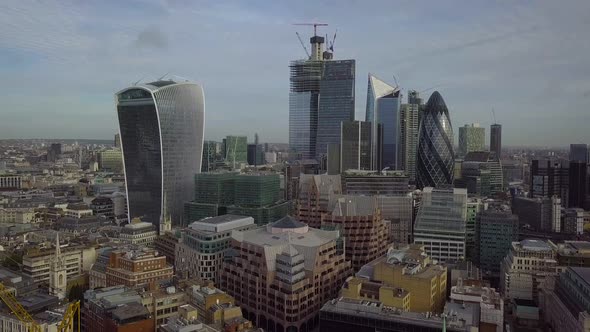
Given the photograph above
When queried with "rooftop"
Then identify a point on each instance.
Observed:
(129, 311)
(582, 272)
(534, 245)
(221, 219)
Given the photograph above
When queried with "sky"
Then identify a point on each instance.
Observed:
(62, 61)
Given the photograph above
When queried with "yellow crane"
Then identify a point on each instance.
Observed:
(66, 325)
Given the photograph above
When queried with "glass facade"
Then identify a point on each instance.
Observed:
(471, 138)
(161, 126)
(383, 106)
(336, 103)
(435, 157)
(496, 140)
(355, 146)
(303, 107)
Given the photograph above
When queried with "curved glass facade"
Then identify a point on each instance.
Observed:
(436, 158)
(162, 127)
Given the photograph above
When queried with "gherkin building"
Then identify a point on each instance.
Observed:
(435, 155)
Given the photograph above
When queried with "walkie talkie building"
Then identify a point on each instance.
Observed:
(435, 159)
(161, 126)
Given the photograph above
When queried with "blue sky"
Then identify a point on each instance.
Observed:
(61, 62)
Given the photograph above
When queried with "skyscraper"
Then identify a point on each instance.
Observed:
(321, 97)
(383, 104)
(496, 140)
(471, 138)
(162, 126)
(436, 158)
(550, 178)
(355, 146)
(577, 183)
(409, 121)
(579, 152)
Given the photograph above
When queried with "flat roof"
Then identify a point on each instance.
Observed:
(222, 223)
(582, 272)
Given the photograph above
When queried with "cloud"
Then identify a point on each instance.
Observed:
(152, 37)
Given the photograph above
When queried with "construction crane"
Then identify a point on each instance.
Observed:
(66, 325)
(302, 44)
(315, 26)
(331, 44)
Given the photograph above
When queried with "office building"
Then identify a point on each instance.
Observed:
(348, 315)
(10, 181)
(211, 155)
(356, 145)
(103, 206)
(496, 140)
(163, 303)
(474, 207)
(578, 184)
(383, 106)
(321, 97)
(573, 253)
(435, 156)
(166, 245)
(572, 221)
(482, 174)
(490, 303)
(406, 271)
(37, 262)
(549, 178)
(333, 159)
(200, 252)
(441, 223)
(524, 269)
(110, 160)
(97, 276)
(387, 183)
(471, 138)
(255, 155)
(134, 266)
(117, 309)
(565, 300)
(497, 228)
(235, 151)
(250, 194)
(314, 194)
(409, 122)
(139, 232)
(117, 143)
(538, 213)
(54, 152)
(359, 220)
(282, 273)
(162, 127)
(579, 152)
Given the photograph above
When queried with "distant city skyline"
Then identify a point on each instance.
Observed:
(61, 64)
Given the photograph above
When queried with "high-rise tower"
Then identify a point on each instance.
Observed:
(383, 104)
(471, 138)
(496, 140)
(436, 158)
(409, 123)
(321, 97)
(162, 126)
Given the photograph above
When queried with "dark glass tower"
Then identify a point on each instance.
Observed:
(161, 126)
(579, 152)
(436, 158)
(355, 146)
(496, 140)
(321, 97)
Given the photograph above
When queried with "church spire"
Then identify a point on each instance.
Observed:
(57, 248)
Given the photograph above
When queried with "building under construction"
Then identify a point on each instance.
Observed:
(321, 97)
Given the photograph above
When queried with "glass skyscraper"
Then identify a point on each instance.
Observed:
(161, 126)
(355, 146)
(436, 158)
(496, 140)
(321, 97)
(336, 102)
(383, 104)
(471, 138)
(410, 115)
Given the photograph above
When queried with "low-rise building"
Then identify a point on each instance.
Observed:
(408, 274)
(103, 206)
(204, 243)
(78, 210)
(78, 260)
(574, 253)
(138, 232)
(565, 300)
(367, 316)
(163, 303)
(490, 303)
(136, 267)
(166, 245)
(525, 268)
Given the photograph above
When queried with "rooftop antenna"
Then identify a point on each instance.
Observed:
(395, 80)
(302, 44)
(139, 80)
(315, 26)
(159, 79)
(494, 115)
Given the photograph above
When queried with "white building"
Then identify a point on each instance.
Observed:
(16, 215)
(490, 302)
(78, 211)
(203, 244)
(441, 223)
(525, 268)
(37, 263)
(139, 232)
